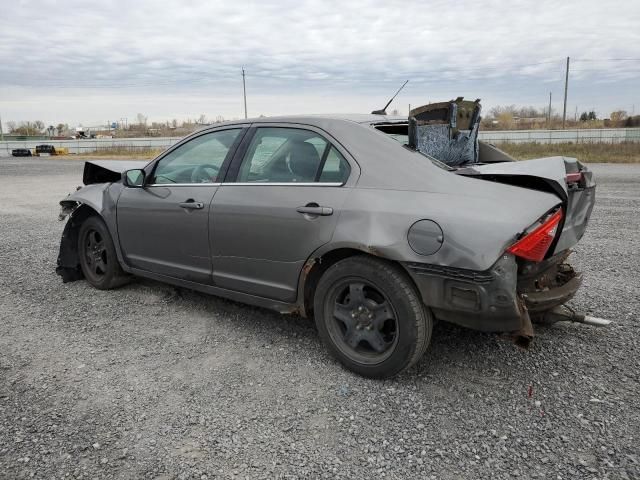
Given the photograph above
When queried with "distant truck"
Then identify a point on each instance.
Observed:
(50, 150)
(45, 150)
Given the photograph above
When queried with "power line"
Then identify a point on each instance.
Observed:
(606, 59)
(483, 69)
(421, 76)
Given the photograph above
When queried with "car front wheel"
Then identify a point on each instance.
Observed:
(370, 316)
(97, 254)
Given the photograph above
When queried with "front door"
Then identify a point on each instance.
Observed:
(283, 205)
(164, 227)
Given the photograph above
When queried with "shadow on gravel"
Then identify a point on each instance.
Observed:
(449, 343)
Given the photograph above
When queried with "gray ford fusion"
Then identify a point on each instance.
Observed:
(375, 226)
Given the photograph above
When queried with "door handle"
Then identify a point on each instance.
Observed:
(315, 209)
(191, 204)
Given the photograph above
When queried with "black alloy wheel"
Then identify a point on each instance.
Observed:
(97, 255)
(364, 324)
(371, 317)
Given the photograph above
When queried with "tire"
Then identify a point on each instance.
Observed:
(371, 317)
(97, 254)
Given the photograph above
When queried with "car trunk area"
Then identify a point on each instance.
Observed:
(446, 134)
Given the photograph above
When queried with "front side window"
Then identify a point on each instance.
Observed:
(291, 155)
(197, 161)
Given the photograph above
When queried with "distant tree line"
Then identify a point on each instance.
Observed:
(37, 127)
(173, 127)
(505, 117)
(511, 117)
(141, 127)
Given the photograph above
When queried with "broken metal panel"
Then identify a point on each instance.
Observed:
(489, 153)
(447, 131)
(106, 171)
(578, 197)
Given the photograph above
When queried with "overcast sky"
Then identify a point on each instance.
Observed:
(89, 62)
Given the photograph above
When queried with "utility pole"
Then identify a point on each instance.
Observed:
(1, 131)
(244, 91)
(549, 112)
(566, 86)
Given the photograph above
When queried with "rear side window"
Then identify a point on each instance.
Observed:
(291, 155)
(336, 168)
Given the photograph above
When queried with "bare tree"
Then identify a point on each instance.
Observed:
(499, 110)
(618, 116)
(26, 128)
(142, 120)
(202, 119)
(529, 112)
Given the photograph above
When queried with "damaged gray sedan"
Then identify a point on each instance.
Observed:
(374, 226)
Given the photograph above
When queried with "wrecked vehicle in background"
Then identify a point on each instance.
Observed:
(21, 152)
(347, 219)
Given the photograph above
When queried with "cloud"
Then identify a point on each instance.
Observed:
(297, 48)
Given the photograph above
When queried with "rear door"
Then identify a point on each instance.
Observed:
(164, 227)
(281, 202)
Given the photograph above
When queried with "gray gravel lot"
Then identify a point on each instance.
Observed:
(155, 382)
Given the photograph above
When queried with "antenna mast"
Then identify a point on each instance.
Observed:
(244, 91)
(384, 110)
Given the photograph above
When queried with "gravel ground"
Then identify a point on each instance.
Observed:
(155, 382)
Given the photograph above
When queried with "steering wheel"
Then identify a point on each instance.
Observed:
(200, 175)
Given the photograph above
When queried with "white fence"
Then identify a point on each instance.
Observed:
(596, 135)
(91, 145)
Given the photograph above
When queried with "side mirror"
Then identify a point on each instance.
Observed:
(133, 178)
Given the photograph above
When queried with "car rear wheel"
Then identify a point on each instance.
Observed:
(97, 254)
(370, 316)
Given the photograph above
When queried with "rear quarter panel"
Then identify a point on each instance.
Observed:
(477, 229)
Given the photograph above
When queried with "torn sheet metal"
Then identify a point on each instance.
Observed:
(447, 131)
(106, 171)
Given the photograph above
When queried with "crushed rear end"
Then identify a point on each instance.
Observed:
(548, 282)
(532, 281)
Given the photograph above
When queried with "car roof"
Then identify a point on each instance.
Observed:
(384, 162)
(316, 119)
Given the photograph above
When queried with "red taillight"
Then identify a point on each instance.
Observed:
(575, 177)
(534, 245)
